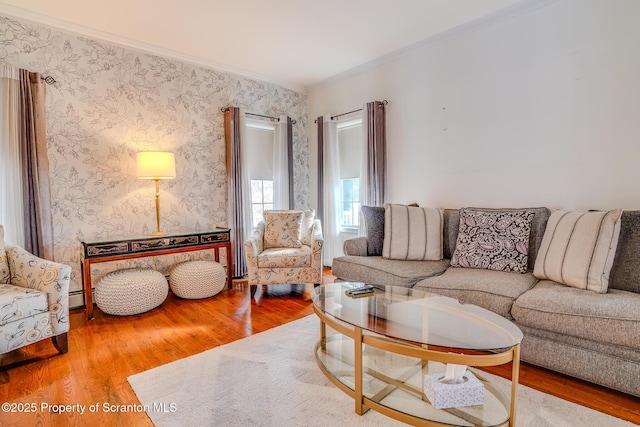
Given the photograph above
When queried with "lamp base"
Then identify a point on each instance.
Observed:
(158, 233)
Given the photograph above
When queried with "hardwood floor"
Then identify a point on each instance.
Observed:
(105, 351)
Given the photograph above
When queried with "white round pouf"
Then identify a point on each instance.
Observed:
(197, 279)
(131, 291)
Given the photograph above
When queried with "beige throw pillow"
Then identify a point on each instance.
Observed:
(578, 249)
(282, 229)
(4, 265)
(412, 233)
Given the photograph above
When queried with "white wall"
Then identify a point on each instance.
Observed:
(537, 108)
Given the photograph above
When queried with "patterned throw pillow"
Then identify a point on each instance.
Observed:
(412, 233)
(282, 229)
(493, 239)
(4, 265)
(578, 248)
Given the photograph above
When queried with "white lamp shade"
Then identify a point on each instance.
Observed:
(156, 165)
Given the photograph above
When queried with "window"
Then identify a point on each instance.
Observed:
(259, 140)
(350, 202)
(261, 199)
(350, 146)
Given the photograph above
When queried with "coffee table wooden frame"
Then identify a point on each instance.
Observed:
(363, 403)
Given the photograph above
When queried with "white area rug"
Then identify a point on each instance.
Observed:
(271, 379)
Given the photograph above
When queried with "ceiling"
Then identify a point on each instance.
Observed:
(294, 43)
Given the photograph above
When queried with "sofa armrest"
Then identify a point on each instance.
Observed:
(29, 271)
(317, 242)
(355, 247)
(255, 243)
(252, 248)
(316, 232)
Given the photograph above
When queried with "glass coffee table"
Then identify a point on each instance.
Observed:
(378, 349)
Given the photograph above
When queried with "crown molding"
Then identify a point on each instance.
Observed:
(524, 7)
(146, 48)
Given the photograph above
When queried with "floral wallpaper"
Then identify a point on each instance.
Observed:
(108, 103)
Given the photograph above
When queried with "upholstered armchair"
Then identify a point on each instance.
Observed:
(34, 299)
(285, 248)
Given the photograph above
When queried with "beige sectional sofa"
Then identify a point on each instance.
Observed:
(585, 334)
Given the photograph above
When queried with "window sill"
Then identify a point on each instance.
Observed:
(349, 229)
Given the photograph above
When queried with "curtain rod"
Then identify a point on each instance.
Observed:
(225, 109)
(383, 102)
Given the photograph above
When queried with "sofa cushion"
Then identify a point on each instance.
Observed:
(282, 229)
(374, 228)
(625, 272)
(412, 233)
(578, 248)
(285, 257)
(610, 318)
(17, 303)
(376, 270)
(493, 290)
(493, 239)
(4, 265)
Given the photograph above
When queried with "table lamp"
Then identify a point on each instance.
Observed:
(156, 165)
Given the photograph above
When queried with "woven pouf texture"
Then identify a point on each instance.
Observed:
(197, 279)
(131, 291)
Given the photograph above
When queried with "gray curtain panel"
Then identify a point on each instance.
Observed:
(376, 153)
(35, 167)
(234, 179)
(290, 160)
(319, 208)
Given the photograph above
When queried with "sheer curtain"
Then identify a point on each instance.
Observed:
(12, 200)
(25, 207)
(35, 167)
(239, 186)
(373, 166)
(329, 187)
(283, 164)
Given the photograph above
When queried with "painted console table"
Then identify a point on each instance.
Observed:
(117, 250)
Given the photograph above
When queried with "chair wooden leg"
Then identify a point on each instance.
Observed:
(61, 342)
(253, 289)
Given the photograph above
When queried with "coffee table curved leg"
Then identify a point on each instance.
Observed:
(515, 378)
(357, 366)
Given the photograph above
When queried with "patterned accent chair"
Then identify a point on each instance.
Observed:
(285, 248)
(34, 299)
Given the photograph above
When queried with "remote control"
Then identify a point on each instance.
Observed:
(368, 288)
(360, 293)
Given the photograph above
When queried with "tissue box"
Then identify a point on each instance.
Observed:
(468, 393)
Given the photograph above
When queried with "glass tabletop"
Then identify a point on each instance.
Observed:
(417, 316)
